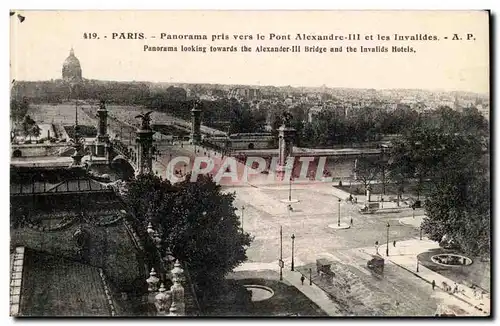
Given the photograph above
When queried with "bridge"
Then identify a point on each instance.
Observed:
(124, 154)
(312, 152)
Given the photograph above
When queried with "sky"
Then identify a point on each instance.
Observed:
(41, 43)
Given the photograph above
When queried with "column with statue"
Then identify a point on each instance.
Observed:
(196, 123)
(285, 144)
(102, 139)
(145, 145)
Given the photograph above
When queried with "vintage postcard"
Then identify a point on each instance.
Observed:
(250, 163)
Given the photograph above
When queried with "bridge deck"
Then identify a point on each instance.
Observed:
(298, 151)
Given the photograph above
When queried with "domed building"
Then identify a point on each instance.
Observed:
(71, 70)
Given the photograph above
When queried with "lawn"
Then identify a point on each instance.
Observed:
(169, 130)
(286, 301)
(478, 273)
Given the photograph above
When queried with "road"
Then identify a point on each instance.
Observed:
(397, 293)
(265, 213)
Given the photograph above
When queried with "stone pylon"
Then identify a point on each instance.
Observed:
(285, 145)
(145, 146)
(102, 139)
(196, 123)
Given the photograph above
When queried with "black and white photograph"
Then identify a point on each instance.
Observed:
(216, 163)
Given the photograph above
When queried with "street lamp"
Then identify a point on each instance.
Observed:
(338, 220)
(242, 214)
(293, 241)
(281, 253)
(387, 249)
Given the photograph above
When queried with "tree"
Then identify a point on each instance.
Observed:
(401, 165)
(35, 131)
(366, 170)
(461, 211)
(18, 109)
(243, 120)
(197, 222)
(30, 128)
(451, 157)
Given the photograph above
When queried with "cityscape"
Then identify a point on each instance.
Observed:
(147, 199)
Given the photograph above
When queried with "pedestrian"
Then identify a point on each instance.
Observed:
(455, 289)
(351, 221)
(394, 243)
(433, 284)
(302, 278)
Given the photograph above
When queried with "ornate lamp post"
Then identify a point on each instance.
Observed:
(387, 249)
(242, 214)
(293, 243)
(281, 253)
(338, 220)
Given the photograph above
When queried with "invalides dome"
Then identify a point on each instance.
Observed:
(71, 70)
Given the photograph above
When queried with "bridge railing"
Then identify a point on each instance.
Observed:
(125, 151)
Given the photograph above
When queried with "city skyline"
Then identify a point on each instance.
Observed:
(176, 83)
(435, 66)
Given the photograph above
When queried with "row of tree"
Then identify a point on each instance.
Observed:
(449, 153)
(21, 120)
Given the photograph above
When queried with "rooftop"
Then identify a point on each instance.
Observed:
(68, 288)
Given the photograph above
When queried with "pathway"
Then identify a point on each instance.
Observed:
(404, 254)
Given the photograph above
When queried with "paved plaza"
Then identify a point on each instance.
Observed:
(317, 208)
(401, 291)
